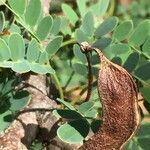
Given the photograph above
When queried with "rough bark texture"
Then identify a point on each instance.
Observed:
(24, 129)
(121, 118)
(35, 120)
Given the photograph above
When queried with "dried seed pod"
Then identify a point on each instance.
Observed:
(118, 94)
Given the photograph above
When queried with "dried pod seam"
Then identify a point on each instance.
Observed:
(121, 116)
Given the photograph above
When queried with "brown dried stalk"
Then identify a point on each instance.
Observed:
(118, 93)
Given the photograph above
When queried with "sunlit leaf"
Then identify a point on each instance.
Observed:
(53, 46)
(17, 47)
(82, 7)
(21, 66)
(4, 51)
(78, 54)
(33, 12)
(102, 43)
(120, 48)
(70, 13)
(56, 26)
(37, 68)
(44, 27)
(140, 33)
(107, 26)
(33, 51)
(74, 131)
(18, 6)
(88, 24)
(81, 36)
(122, 31)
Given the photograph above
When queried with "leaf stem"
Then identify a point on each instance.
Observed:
(57, 82)
(71, 41)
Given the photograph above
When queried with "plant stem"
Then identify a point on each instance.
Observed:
(57, 82)
(68, 81)
(71, 41)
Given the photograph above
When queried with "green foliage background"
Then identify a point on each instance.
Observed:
(122, 33)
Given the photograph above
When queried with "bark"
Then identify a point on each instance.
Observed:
(36, 119)
(24, 128)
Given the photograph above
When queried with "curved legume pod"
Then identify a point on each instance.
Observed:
(120, 110)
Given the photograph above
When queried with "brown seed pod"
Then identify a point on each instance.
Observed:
(120, 110)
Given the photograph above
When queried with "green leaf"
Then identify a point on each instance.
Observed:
(49, 69)
(146, 46)
(140, 33)
(67, 114)
(53, 46)
(145, 93)
(43, 59)
(144, 143)
(103, 7)
(144, 136)
(5, 119)
(91, 113)
(133, 145)
(144, 131)
(33, 51)
(64, 27)
(80, 69)
(123, 30)
(70, 13)
(131, 62)
(2, 21)
(17, 47)
(37, 68)
(74, 131)
(44, 27)
(82, 7)
(107, 26)
(78, 54)
(99, 8)
(15, 29)
(21, 66)
(86, 106)
(88, 24)
(56, 26)
(68, 105)
(8, 86)
(102, 43)
(6, 64)
(81, 36)
(33, 12)
(18, 6)
(19, 101)
(121, 48)
(4, 51)
(143, 71)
